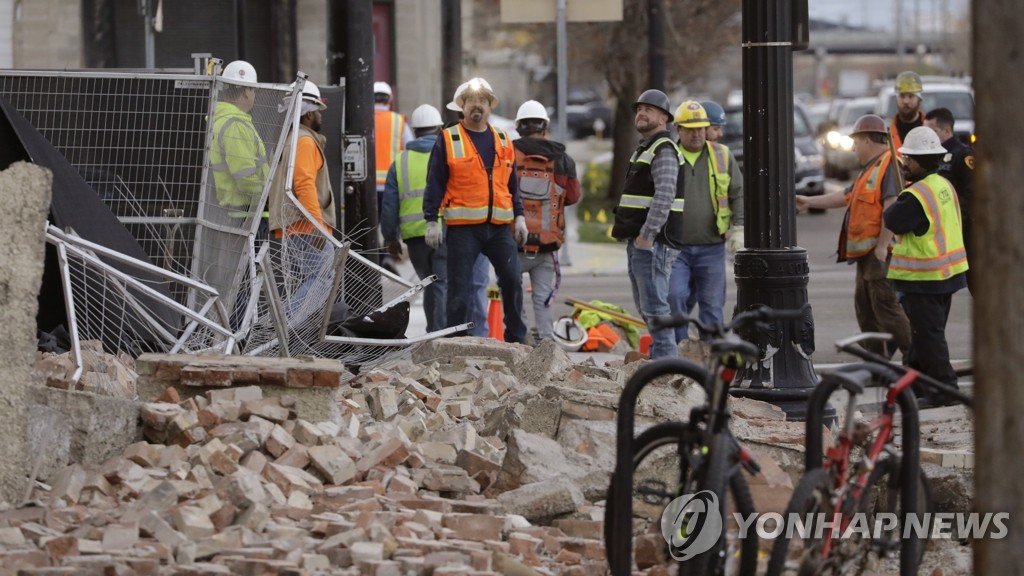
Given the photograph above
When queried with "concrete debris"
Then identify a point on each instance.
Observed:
(476, 457)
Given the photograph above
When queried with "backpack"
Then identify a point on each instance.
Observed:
(543, 202)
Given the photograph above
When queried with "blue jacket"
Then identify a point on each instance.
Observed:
(389, 207)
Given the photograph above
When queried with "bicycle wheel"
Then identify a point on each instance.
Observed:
(664, 459)
(882, 495)
(800, 554)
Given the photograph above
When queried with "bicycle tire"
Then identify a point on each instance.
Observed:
(885, 479)
(713, 476)
(666, 433)
(812, 495)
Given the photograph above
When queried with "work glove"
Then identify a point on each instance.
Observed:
(433, 237)
(521, 232)
(735, 241)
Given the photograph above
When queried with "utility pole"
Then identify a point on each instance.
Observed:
(451, 51)
(998, 308)
(656, 45)
(773, 270)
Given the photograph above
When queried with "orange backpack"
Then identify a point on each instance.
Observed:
(543, 202)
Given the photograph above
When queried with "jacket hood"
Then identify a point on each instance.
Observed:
(422, 144)
(540, 147)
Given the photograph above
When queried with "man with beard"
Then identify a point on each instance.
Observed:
(649, 216)
(929, 263)
(908, 107)
(303, 244)
(471, 177)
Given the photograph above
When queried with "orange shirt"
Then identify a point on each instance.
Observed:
(308, 161)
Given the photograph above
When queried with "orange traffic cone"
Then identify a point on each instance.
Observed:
(495, 320)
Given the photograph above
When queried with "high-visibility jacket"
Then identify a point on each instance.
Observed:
(411, 173)
(939, 254)
(864, 207)
(473, 194)
(895, 133)
(718, 184)
(388, 128)
(238, 159)
(637, 193)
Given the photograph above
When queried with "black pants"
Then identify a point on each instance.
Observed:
(928, 352)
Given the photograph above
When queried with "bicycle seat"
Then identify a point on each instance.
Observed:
(735, 345)
(853, 381)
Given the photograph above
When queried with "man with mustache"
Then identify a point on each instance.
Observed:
(649, 216)
(908, 107)
(471, 177)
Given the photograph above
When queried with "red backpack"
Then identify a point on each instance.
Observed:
(543, 202)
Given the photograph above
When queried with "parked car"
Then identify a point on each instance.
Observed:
(580, 119)
(809, 165)
(951, 93)
(840, 159)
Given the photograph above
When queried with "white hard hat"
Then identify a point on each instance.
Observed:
(453, 106)
(922, 141)
(311, 93)
(382, 88)
(569, 334)
(425, 116)
(241, 71)
(476, 85)
(532, 109)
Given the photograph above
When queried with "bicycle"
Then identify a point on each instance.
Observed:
(709, 456)
(838, 485)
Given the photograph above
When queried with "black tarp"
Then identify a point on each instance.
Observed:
(75, 205)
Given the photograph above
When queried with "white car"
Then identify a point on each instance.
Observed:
(954, 94)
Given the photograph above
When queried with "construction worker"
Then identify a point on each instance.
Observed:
(908, 107)
(649, 215)
(304, 244)
(390, 131)
(402, 215)
(716, 118)
(929, 263)
(471, 176)
(957, 167)
(238, 157)
(547, 184)
(864, 240)
(712, 185)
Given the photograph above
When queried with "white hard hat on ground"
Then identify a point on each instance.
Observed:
(532, 109)
(569, 334)
(425, 116)
(241, 71)
(382, 88)
(921, 141)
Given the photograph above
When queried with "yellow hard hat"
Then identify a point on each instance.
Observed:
(691, 114)
(908, 82)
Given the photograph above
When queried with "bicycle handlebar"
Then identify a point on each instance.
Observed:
(850, 346)
(759, 314)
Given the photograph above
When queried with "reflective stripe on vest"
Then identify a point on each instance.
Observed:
(718, 184)
(647, 155)
(630, 201)
(865, 208)
(938, 254)
(411, 172)
(468, 195)
(388, 134)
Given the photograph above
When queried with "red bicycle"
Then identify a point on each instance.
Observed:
(864, 471)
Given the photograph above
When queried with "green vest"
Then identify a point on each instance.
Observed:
(238, 159)
(718, 184)
(939, 254)
(411, 170)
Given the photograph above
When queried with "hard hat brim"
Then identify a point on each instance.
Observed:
(915, 152)
(694, 124)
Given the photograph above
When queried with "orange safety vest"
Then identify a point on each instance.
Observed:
(895, 134)
(388, 128)
(474, 195)
(864, 204)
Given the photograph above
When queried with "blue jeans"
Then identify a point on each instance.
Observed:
(700, 267)
(477, 305)
(310, 258)
(649, 271)
(428, 261)
(465, 243)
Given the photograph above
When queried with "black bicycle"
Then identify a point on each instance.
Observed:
(688, 457)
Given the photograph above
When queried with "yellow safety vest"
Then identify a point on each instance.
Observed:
(718, 184)
(411, 172)
(939, 254)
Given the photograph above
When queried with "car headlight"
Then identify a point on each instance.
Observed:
(833, 138)
(846, 143)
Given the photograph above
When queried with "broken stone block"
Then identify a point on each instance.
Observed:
(333, 464)
(383, 402)
(531, 458)
(67, 485)
(193, 523)
(542, 500)
(118, 537)
(155, 527)
(474, 526)
(278, 441)
(449, 479)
